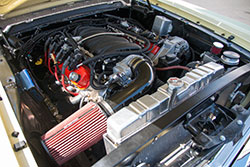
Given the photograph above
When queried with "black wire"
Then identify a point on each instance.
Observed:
(114, 17)
(29, 45)
(192, 53)
(131, 20)
(123, 53)
(148, 59)
(102, 74)
(46, 47)
(92, 84)
(147, 42)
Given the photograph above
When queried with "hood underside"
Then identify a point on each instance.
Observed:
(11, 8)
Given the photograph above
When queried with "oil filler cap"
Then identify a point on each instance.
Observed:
(230, 58)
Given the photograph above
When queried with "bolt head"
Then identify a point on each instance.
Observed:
(222, 138)
(189, 116)
(203, 139)
(239, 122)
(73, 76)
(240, 109)
(15, 134)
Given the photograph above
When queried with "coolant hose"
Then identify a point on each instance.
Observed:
(144, 77)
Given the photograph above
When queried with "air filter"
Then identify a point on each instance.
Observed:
(75, 134)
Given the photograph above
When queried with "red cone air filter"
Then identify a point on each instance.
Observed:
(76, 133)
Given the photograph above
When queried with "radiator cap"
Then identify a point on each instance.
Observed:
(230, 58)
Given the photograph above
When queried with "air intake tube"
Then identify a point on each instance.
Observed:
(86, 126)
(144, 77)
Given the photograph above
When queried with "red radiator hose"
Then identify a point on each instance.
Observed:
(173, 67)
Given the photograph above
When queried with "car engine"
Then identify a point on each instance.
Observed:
(94, 82)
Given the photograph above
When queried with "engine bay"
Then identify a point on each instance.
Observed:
(93, 81)
(95, 59)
